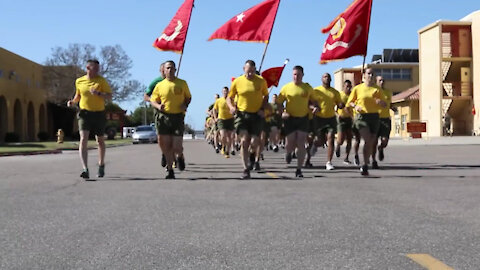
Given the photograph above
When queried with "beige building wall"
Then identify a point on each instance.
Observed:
(396, 86)
(22, 97)
(476, 69)
(430, 80)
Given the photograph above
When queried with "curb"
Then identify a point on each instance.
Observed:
(30, 153)
(46, 152)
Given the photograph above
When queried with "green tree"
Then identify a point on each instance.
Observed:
(138, 115)
(65, 65)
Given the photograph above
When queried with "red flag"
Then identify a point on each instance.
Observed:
(272, 75)
(174, 36)
(254, 24)
(348, 32)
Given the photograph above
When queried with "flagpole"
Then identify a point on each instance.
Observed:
(368, 33)
(268, 42)
(186, 34)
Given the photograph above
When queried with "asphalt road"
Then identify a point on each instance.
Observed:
(425, 200)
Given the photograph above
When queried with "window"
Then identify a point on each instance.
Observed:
(394, 73)
(404, 122)
(406, 74)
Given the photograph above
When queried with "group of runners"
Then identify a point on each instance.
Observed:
(242, 119)
(301, 118)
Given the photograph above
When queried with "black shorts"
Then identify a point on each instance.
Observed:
(367, 120)
(385, 128)
(94, 122)
(250, 122)
(344, 124)
(325, 125)
(226, 124)
(169, 123)
(293, 124)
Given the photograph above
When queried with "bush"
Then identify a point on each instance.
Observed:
(43, 136)
(12, 137)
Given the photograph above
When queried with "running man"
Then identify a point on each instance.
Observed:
(325, 120)
(297, 95)
(345, 123)
(91, 91)
(171, 98)
(148, 94)
(224, 122)
(366, 99)
(275, 124)
(385, 125)
(252, 93)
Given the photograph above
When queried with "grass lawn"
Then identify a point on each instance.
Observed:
(43, 146)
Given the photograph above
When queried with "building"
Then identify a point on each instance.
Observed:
(406, 104)
(449, 82)
(23, 102)
(399, 68)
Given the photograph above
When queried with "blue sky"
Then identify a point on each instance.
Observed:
(32, 28)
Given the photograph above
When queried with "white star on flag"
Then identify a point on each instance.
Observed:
(240, 17)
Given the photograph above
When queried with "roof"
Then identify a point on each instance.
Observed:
(409, 94)
(470, 16)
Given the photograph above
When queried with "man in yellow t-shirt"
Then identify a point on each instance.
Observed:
(298, 96)
(367, 99)
(325, 120)
(91, 91)
(224, 121)
(385, 124)
(252, 93)
(345, 123)
(171, 98)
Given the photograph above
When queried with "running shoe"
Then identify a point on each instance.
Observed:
(364, 170)
(346, 161)
(329, 166)
(356, 160)
(337, 151)
(375, 165)
(308, 164)
(381, 155)
(246, 174)
(257, 166)
(298, 173)
(181, 163)
(101, 171)
(232, 153)
(85, 175)
(170, 175)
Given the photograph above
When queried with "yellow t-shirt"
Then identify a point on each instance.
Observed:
(328, 98)
(365, 97)
(89, 101)
(297, 97)
(250, 93)
(222, 108)
(172, 94)
(385, 112)
(343, 112)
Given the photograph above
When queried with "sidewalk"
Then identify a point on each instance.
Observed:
(455, 140)
(35, 148)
